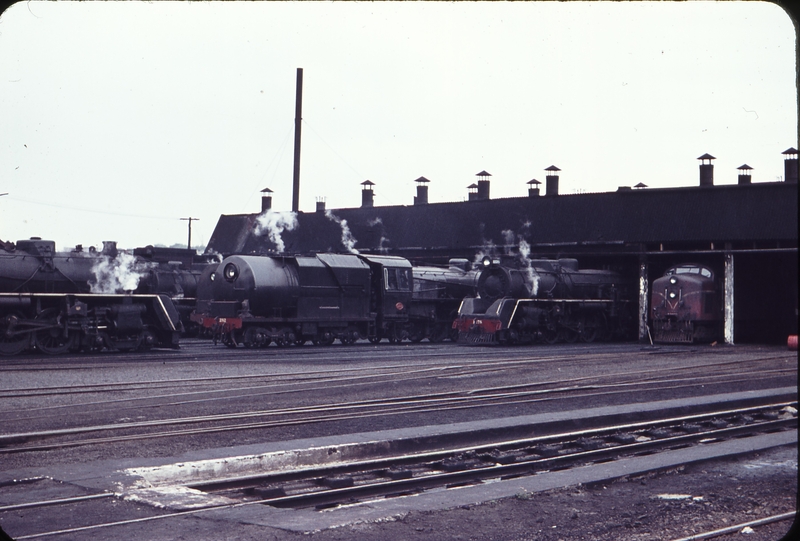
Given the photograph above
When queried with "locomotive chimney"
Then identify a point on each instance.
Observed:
(790, 165)
(744, 175)
(367, 195)
(422, 191)
(533, 188)
(483, 185)
(473, 192)
(266, 199)
(706, 170)
(321, 205)
(551, 181)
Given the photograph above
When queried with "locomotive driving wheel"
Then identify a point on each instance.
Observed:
(13, 340)
(52, 338)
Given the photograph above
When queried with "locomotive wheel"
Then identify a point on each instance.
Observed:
(375, 339)
(12, 341)
(256, 337)
(439, 333)
(51, 340)
(570, 336)
(591, 329)
(550, 336)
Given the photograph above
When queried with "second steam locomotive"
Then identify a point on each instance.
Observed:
(522, 301)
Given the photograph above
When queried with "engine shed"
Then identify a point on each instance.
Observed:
(746, 232)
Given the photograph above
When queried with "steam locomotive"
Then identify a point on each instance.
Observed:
(82, 300)
(521, 301)
(292, 299)
(686, 306)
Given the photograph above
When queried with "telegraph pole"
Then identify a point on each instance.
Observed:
(189, 244)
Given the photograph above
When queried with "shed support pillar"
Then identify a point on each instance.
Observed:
(728, 299)
(644, 301)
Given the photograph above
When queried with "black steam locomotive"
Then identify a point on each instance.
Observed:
(521, 301)
(292, 299)
(686, 305)
(80, 300)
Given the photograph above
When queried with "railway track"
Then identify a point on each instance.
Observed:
(367, 480)
(346, 484)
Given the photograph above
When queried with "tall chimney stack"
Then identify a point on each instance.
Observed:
(422, 191)
(367, 195)
(744, 175)
(706, 170)
(551, 181)
(266, 199)
(298, 121)
(790, 165)
(533, 188)
(483, 185)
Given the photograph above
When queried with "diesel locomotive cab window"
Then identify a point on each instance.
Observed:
(397, 279)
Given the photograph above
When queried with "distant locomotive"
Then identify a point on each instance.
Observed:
(686, 305)
(545, 300)
(292, 299)
(70, 301)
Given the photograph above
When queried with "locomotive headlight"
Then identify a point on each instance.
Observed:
(486, 261)
(672, 295)
(230, 272)
(673, 280)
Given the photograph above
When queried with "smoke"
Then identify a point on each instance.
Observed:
(274, 224)
(348, 241)
(383, 242)
(116, 275)
(524, 255)
(508, 238)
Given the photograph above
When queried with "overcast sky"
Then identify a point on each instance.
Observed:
(120, 118)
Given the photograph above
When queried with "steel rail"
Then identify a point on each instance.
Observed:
(386, 402)
(419, 408)
(736, 528)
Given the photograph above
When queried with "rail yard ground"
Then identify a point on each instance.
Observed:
(124, 430)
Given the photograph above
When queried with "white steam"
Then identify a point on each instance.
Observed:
(115, 275)
(348, 241)
(274, 224)
(524, 255)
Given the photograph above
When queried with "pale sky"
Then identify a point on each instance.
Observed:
(120, 118)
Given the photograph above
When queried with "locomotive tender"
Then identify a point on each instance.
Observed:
(522, 300)
(256, 300)
(686, 305)
(70, 301)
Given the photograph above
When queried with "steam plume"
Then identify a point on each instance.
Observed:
(274, 224)
(115, 275)
(348, 241)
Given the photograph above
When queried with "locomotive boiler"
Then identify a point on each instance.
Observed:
(686, 306)
(521, 300)
(79, 300)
